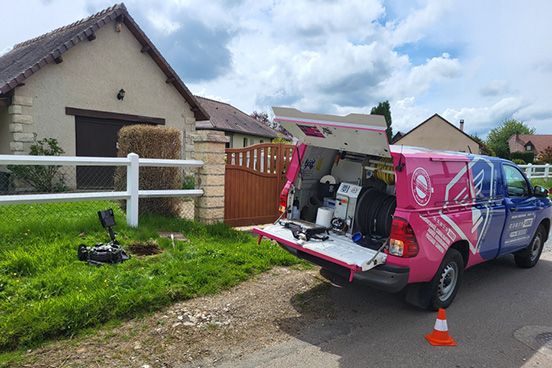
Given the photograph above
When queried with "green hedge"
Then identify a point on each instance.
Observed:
(528, 157)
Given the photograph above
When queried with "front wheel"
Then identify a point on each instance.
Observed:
(528, 257)
(446, 282)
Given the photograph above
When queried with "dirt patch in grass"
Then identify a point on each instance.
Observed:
(205, 331)
(144, 249)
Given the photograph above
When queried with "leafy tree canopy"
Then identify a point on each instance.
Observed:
(384, 109)
(485, 149)
(498, 137)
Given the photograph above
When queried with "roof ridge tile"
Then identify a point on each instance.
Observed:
(69, 26)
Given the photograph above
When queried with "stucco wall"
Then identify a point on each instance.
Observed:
(437, 134)
(90, 76)
(237, 140)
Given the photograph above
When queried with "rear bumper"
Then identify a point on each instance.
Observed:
(384, 277)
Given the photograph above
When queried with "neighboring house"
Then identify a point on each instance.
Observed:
(81, 83)
(242, 129)
(437, 133)
(530, 142)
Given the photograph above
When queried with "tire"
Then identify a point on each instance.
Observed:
(446, 282)
(528, 257)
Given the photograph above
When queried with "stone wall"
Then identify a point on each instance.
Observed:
(210, 148)
(21, 124)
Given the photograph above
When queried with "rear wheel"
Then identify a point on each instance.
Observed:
(528, 257)
(446, 281)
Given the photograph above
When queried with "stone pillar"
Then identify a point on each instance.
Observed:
(188, 143)
(19, 121)
(210, 148)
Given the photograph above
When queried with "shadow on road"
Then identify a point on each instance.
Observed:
(353, 325)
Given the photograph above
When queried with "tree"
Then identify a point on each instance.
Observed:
(484, 148)
(498, 137)
(384, 109)
(261, 117)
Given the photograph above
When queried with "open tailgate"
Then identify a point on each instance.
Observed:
(337, 249)
(360, 133)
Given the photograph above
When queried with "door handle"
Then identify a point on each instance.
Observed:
(513, 209)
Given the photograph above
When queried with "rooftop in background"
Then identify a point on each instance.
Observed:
(227, 118)
(529, 142)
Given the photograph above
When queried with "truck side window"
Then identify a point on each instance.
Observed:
(515, 180)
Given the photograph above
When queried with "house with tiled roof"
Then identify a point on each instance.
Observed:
(535, 143)
(82, 82)
(438, 133)
(242, 129)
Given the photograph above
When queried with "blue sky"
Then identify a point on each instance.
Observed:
(480, 61)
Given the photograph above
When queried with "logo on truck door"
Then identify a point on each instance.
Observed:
(421, 186)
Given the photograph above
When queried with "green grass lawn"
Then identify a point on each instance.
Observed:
(546, 183)
(46, 292)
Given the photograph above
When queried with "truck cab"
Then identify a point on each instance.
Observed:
(395, 217)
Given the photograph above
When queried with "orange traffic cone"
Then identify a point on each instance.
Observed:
(440, 335)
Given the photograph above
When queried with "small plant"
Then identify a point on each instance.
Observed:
(518, 161)
(43, 178)
(188, 182)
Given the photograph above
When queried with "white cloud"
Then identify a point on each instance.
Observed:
(5, 50)
(468, 59)
(482, 119)
(419, 22)
(163, 24)
(203, 93)
(310, 21)
(408, 81)
(407, 115)
(495, 88)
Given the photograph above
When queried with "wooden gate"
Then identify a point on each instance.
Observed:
(254, 178)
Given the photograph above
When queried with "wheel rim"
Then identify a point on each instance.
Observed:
(535, 247)
(447, 282)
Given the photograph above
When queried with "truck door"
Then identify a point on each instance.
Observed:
(521, 210)
(488, 212)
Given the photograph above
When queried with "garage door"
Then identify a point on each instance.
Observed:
(97, 138)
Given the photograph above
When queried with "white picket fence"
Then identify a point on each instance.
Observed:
(131, 195)
(537, 171)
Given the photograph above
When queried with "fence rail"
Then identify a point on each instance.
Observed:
(537, 171)
(131, 195)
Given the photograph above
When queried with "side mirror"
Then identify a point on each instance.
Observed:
(540, 191)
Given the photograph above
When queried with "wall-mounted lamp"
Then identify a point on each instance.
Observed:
(118, 26)
(121, 94)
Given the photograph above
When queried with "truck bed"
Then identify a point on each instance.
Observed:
(339, 249)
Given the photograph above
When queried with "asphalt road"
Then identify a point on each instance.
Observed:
(501, 317)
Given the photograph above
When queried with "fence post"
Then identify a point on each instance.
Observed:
(132, 188)
(547, 171)
(529, 171)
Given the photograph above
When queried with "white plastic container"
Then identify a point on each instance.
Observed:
(324, 216)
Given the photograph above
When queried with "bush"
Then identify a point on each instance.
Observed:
(518, 161)
(545, 155)
(528, 157)
(43, 178)
(152, 142)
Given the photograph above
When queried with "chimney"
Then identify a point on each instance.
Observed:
(462, 124)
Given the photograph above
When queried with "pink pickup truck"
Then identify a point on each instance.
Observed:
(393, 217)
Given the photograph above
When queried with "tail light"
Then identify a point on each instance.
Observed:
(284, 198)
(402, 241)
